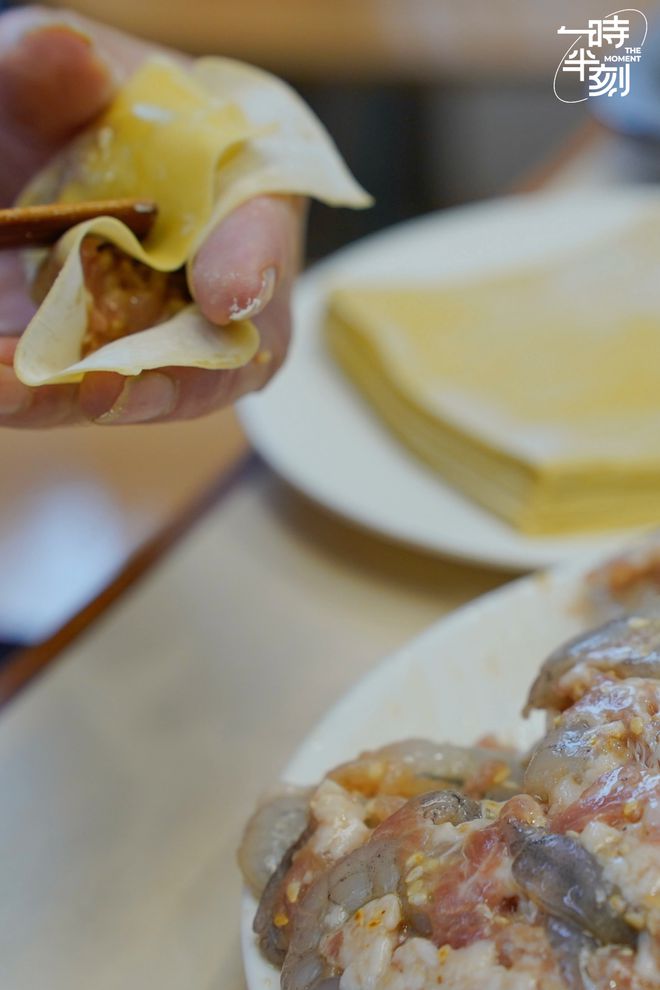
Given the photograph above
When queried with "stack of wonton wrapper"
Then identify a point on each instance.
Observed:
(536, 392)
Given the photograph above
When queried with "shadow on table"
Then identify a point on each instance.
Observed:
(399, 565)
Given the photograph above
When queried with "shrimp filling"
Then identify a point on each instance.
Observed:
(424, 864)
(124, 296)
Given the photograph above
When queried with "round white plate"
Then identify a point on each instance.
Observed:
(464, 677)
(316, 431)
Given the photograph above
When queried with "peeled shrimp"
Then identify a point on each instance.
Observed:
(413, 766)
(369, 872)
(630, 583)
(626, 647)
(273, 937)
(612, 725)
(360, 793)
(270, 832)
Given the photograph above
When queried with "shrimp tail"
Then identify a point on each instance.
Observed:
(571, 945)
(558, 874)
(274, 941)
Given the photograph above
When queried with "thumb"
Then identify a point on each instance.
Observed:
(52, 82)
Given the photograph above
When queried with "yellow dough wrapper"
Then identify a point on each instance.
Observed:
(536, 393)
(199, 143)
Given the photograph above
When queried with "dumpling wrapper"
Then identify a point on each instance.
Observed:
(536, 391)
(199, 143)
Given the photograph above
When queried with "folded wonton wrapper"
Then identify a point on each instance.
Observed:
(199, 143)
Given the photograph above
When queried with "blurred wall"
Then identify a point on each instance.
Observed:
(432, 102)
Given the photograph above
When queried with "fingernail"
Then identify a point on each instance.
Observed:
(142, 399)
(14, 396)
(260, 301)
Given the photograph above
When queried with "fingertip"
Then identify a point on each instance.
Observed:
(8, 347)
(237, 268)
(99, 391)
(224, 294)
(22, 407)
(16, 22)
(14, 396)
(52, 78)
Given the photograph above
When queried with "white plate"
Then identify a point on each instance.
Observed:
(465, 676)
(315, 430)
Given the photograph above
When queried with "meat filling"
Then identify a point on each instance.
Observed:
(124, 295)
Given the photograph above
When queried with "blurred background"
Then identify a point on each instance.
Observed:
(432, 102)
(128, 770)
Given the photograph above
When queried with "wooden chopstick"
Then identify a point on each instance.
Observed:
(38, 226)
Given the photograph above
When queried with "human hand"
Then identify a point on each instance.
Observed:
(57, 72)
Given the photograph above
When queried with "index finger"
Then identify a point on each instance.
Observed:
(57, 72)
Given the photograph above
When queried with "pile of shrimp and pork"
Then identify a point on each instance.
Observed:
(421, 865)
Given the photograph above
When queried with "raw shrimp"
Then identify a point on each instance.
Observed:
(272, 934)
(625, 647)
(271, 831)
(630, 583)
(371, 871)
(572, 947)
(614, 724)
(425, 902)
(420, 864)
(617, 798)
(414, 766)
(336, 827)
(353, 799)
(456, 891)
(559, 875)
